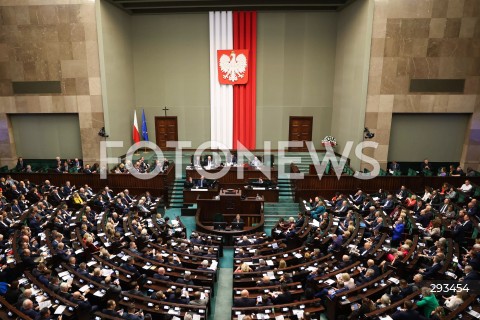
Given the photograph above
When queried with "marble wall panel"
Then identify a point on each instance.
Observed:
(51, 40)
(437, 39)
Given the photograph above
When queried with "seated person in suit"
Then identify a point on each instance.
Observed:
(187, 279)
(188, 183)
(388, 205)
(407, 312)
(160, 275)
(470, 274)
(27, 308)
(231, 159)
(284, 297)
(237, 222)
(202, 183)
(394, 166)
(20, 167)
(262, 266)
(431, 271)
(198, 299)
(343, 209)
(110, 310)
(132, 315)
(256, 162)
(196, 161)
(265, 282)
(179, 296)
(244, 300)
(209, 163)
(425, 166)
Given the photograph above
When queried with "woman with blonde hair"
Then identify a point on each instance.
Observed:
(429, 302)
(411, 202)
(76, 198)
(453, 302)
(104, 253)
(384, 301)
(244, 267)
(347, 281)
(282, 264)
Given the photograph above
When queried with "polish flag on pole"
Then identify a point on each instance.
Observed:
(136, 133)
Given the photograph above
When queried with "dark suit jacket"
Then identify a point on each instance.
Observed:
(160, 277)
(188, 185)
(472, 276)
(431, 271)
(202, 184)
(299, 223)
(31, 313)
(358, 199)
(244, 302)
(283, 298)
(131, 316)
(388, 205)
(407, 315)
(112, 313)
(183, 281)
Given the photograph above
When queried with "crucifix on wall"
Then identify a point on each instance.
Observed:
(165, 109)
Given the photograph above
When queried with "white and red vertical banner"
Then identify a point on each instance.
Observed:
(244, 95)
(233, 49)
(135, 132)
(221, 95)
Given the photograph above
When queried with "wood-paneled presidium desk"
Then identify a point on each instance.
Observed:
(231, 181)
(224, 208)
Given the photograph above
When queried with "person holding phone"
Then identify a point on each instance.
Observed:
(132, 315)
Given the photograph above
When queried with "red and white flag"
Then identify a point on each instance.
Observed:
(233, 55)
(136, 133)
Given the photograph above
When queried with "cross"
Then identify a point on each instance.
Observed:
(165, 109)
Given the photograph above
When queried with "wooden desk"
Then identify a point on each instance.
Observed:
(229, 205)
(311, 186)
(117, 182)
(190, 195)
(270, 195)
(231, 179)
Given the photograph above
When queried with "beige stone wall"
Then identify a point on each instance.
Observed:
(428, 39)
(50, 40)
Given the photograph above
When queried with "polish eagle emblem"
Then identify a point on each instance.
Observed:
(232, 66)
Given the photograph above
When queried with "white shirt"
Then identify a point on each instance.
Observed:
(466, 188)
(426, 196)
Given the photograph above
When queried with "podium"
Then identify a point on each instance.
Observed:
(228, 204)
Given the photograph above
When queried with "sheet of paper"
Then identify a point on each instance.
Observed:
(214, 265)
(63, 274)
(99, 293)
(44, 304)
(107, 272)
(60, 309)
(298, 313)
(84, 288)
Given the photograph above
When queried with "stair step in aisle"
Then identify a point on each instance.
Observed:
(176, 196)
(285, 207)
